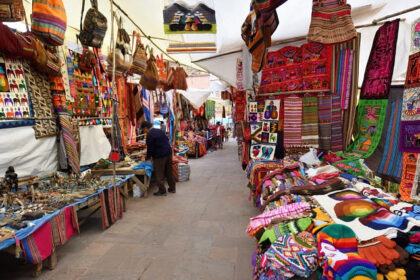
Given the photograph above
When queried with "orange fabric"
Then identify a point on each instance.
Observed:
(407, 178)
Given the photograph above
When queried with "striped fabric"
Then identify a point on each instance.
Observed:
(344, 76)
(49, 20)
(69, 142)
(336, 124)
(267, 6)
(390, 165)
(146, 105)
(293, 122)
(192, 47)
(310, 133)
(325, 118)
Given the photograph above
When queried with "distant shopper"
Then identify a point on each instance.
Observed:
(160, 151)
(219, 135)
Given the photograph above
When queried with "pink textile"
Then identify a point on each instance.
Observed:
(70, 222)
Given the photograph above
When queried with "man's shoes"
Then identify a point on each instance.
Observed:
(171, 191)
(159, 194)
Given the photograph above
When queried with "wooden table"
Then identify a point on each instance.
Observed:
(144, 186)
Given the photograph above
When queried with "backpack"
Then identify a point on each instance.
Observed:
(94, 27)
(49, 21)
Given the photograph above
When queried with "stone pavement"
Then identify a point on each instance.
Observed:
(197, 233)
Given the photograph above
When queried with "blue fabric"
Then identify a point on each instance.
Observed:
(157, 144)
(25, 232)
(147, 166)
(146, 105)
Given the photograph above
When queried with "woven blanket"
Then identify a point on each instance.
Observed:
(411, 104)
(344, 76)
(39, 245)
(370, 121)
(325, 119)
(410, 136)
(380, 66)
(15, 101)
(386, 161)
(70, 144)
(310, 133)
(367, 218)
(336, 124)
(293, 122)
(413, 71)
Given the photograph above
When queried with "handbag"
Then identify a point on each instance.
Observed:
(331, 24)
(45, 61)
(150, 78)
(180, 79)
(123, 58)
(93, 30)
(139, 56)
(49, 21)
(12, 10)
(87, 60)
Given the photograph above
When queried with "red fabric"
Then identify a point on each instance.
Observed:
(43, 240)
(71, 227)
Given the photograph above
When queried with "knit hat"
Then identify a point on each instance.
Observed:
(338, 245)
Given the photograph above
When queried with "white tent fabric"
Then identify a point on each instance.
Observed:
(93, 144)
(196, 97)
(29, 156)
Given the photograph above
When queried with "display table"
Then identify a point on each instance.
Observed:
(144, 186)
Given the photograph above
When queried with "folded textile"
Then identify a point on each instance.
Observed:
(147, 166)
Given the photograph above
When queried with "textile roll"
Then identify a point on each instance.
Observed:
(325, 119)
(380, 66)
(293, 122)
(310, 122)
(344, 77)
(69, 142)
(331, 25)
(336, 124)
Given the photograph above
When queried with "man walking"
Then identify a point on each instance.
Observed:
(160, 151)
(219, 136)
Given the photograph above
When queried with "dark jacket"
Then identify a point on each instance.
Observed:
(157, 144)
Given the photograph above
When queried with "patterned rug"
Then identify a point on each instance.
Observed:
(310, 136)
(39, 90)
(380, 66)
(325, 118)
(370, 121)
(293, 122)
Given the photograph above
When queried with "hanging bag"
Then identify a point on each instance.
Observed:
(123, 58)
(139, 56)
(12, 10)
(49, 21)
(149, 80)
(180, 79)
(93, 30)
(87, 60)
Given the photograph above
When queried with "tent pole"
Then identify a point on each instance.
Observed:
(375, 21)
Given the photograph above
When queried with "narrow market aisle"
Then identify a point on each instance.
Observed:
(197, 233)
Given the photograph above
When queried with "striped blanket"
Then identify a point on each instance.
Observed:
(336, 124)
(310, 122)
(344, 76)
(325, 118)
(207, 47)
(293, 122)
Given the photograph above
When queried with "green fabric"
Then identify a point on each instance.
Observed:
(351, 166)
(303, 223)
(210, 109)
(284, 228)
(370, 123)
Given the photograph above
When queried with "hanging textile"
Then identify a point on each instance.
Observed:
(117, 146)
(14, 97)
(415, 36)
(39, 245)
(410, 164)
(380, 66)
(370, 121)
(386, 161)
(336, 124)
(70, 145)
(344, 76)
(210, 109)
(310, 135)
(146, 105)
(325, 119)
(292, 122)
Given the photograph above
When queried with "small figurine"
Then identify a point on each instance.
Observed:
(11, 178)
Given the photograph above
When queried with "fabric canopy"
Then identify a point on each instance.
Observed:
(196, 97)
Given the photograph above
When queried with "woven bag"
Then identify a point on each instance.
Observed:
(139, 56)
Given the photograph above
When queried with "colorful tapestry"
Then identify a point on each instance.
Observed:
(415, 36)
(179, 18)
(293, 122)
(369, 218)
(413, 71)
(271, 110)
(344, 76)
(325, 119)
(310, 133)
(209, 47)
(410, 163)
(336, 124)
(39, 89)
(370, 121)
(411, 104)
(296, 69)
(252, 111)
(380, 66)
(256, 133)
(71, 150)
(262, 151)
(39, 245)
(410, 136)
(351, 166)
(386, 161)
(15, 102)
